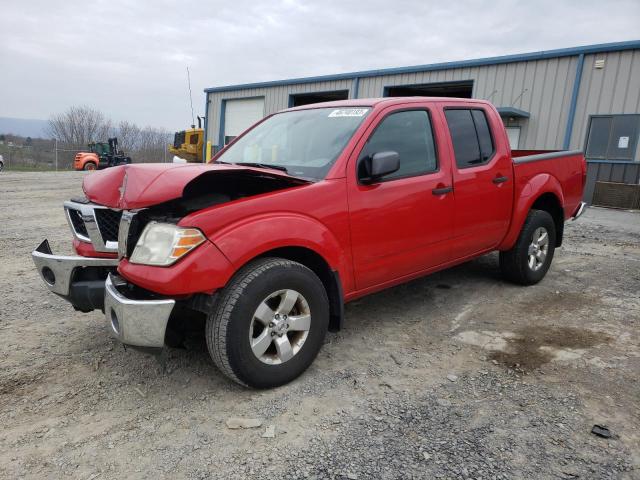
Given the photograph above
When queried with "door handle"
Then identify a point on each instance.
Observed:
(442, 190)
(498, 180)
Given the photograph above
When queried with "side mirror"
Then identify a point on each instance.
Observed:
(378, 165)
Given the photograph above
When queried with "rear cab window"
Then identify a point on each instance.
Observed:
(471, 136)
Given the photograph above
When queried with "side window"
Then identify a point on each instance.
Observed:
(484, 134)
(409, 134)
(471, 136)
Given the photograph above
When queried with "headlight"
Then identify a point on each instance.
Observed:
(163, 244)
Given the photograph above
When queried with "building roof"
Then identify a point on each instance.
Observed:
(521, 57)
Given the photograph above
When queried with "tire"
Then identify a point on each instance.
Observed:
(246, 313)
(1, 166)
(516, 264)
(90, 166)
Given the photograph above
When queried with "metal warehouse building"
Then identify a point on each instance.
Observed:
(585, 98)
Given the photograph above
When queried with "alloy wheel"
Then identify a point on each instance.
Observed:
(280, 326)
(538, 249)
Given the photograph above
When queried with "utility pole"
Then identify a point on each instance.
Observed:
(56, 148)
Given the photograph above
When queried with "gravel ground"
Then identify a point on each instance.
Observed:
(458, 375)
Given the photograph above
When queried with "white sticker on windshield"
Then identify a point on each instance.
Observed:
(348, 112)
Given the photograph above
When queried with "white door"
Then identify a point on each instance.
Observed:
(241, 114)
(514, 137)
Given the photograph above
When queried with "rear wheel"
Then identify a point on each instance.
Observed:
(90, 166)
(269, 323)
(529, 260)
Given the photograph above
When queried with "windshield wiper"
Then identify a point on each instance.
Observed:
(263, 165)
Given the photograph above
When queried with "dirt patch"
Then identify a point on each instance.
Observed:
(532, 347)
(557, 304)
(27, 380)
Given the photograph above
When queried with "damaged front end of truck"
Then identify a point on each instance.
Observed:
(121, 204)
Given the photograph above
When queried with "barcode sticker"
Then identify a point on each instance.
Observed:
(348, 112)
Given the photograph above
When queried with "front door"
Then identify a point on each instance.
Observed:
(483, 181)
(399, 225)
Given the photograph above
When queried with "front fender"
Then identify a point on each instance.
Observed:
(253, 236)
(526, 195)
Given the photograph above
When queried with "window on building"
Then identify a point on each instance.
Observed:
(409, 133)
(471, 136)
(613, 137)
(299, 99)
(462, 89)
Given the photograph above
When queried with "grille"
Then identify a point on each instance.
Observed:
(77, 222)
(108, 223)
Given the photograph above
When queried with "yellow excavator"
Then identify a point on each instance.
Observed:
(188, 144)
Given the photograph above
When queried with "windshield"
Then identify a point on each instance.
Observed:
(304, 142)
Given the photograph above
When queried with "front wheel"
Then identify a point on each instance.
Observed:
(90, 166)
(269, 323)
(530, 258)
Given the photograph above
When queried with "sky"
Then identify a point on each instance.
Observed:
(129, 59)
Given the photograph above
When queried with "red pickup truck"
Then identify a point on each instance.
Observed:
(310, 208)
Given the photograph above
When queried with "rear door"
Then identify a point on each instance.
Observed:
(398, 225)
(482, 177)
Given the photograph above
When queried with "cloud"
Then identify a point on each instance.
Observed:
(128, 58)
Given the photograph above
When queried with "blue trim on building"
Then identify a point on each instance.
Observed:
(512, 112)
(223, 105)
(355, 87)
(574, 102)
(206, 122)
(616, 162)
(522, 57)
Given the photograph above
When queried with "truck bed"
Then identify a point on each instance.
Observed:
(567, 167)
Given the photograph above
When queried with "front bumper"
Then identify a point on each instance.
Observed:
(79, 280)
(90, 283)
(141, 323)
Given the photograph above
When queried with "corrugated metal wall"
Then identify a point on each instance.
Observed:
(541, 87)
(610, 90)
(275, 99)
(623, 172)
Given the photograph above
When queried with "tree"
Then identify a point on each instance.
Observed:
(152, 145)
(79, 126)
(128, 134)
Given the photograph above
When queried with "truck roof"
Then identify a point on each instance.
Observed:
(386, 101)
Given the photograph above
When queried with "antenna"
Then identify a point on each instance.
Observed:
(193, 120)
(513, 102)
(491, 95)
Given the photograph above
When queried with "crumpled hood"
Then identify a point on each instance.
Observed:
(143, 185)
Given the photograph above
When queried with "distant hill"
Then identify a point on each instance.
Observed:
(24, 127)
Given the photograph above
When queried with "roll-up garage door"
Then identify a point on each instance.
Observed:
(241, 114)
